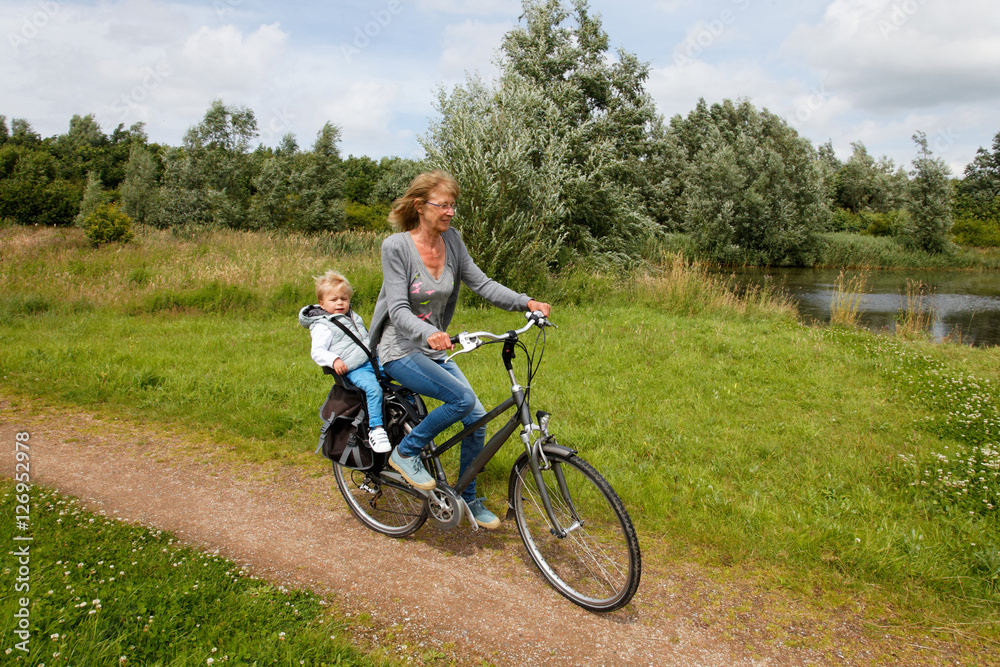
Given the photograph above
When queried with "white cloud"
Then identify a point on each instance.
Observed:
(677, 88)
(470, 7)
(671, 6)
(471, 46)
(888, 55)
(846, 70)
(224, 57)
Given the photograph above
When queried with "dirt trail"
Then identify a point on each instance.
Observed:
(469, 595)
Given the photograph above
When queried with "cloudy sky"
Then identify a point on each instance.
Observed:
(874, 71)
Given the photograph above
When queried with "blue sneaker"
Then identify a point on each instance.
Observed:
(412, 470)
(483, 516)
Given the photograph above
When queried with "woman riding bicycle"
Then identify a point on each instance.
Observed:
(423, 266)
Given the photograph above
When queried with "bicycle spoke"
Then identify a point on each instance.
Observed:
(385, 508)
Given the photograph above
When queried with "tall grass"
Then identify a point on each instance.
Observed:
(55, 265)
(856, 251)
(845, 308)
(917, 315)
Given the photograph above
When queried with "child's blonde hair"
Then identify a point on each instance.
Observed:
(330, 281)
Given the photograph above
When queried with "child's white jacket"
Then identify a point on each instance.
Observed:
(329, 342)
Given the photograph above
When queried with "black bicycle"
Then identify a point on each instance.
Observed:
(574, 526)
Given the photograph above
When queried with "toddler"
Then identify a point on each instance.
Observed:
(332, 347)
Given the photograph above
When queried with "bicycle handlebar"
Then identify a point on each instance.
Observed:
(472, 341)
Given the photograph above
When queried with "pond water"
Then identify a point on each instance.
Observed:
(964, 305)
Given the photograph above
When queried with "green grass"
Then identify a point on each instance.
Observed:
(103, 592)
(733, 433)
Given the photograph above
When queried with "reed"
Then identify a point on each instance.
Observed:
(915, 318)
(845, 307)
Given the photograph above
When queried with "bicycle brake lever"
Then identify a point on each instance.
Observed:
(468, 343)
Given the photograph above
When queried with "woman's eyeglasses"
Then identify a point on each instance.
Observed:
(446, 207)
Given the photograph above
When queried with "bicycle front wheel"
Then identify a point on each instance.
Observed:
(597, 564)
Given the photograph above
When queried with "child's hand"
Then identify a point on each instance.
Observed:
(339, 367)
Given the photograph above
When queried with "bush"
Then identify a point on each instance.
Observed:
(107, 224)
(976, 232)
(366, 217)
(843, 220)
(883, 224)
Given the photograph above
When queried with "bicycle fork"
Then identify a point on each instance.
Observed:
(537, 462)
(536, 455)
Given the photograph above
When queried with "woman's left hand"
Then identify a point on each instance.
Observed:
(544, 308)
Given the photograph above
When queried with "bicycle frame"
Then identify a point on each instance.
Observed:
(521, 417)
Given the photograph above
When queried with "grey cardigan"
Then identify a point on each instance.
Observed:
(400, 263)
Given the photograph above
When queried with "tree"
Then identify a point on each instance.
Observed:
(550, 157)
(751, 189)
(210, 178)
(829, 166)
(863, 184)
(22, 134)
(139, 191)
(31, 191)
(360, 176)
(93, 196)
(396, 175)
(85, 148)
(224, 128)
(301, 191)
(978, 193)
(4, 132)
(929, 202)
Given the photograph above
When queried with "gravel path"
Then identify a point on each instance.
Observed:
(472, 596)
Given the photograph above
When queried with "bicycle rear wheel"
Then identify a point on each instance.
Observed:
(597, 565)
(384, 506)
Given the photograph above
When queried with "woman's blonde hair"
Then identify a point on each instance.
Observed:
(404, 216)
(330, 281)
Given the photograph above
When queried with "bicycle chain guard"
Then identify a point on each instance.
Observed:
(444, 507)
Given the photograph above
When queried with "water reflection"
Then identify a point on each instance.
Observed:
(964, 306)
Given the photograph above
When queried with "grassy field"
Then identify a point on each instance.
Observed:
(108, 593)
(824, 458)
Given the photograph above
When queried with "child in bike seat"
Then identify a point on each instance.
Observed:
(332, 347)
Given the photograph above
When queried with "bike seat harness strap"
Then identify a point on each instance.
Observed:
(371, 357)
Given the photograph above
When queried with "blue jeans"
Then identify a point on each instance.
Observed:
(363, 377)
(445, 382)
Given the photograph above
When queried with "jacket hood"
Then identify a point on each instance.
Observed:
(309, 315)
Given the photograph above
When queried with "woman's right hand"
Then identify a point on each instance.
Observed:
(440, 341)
